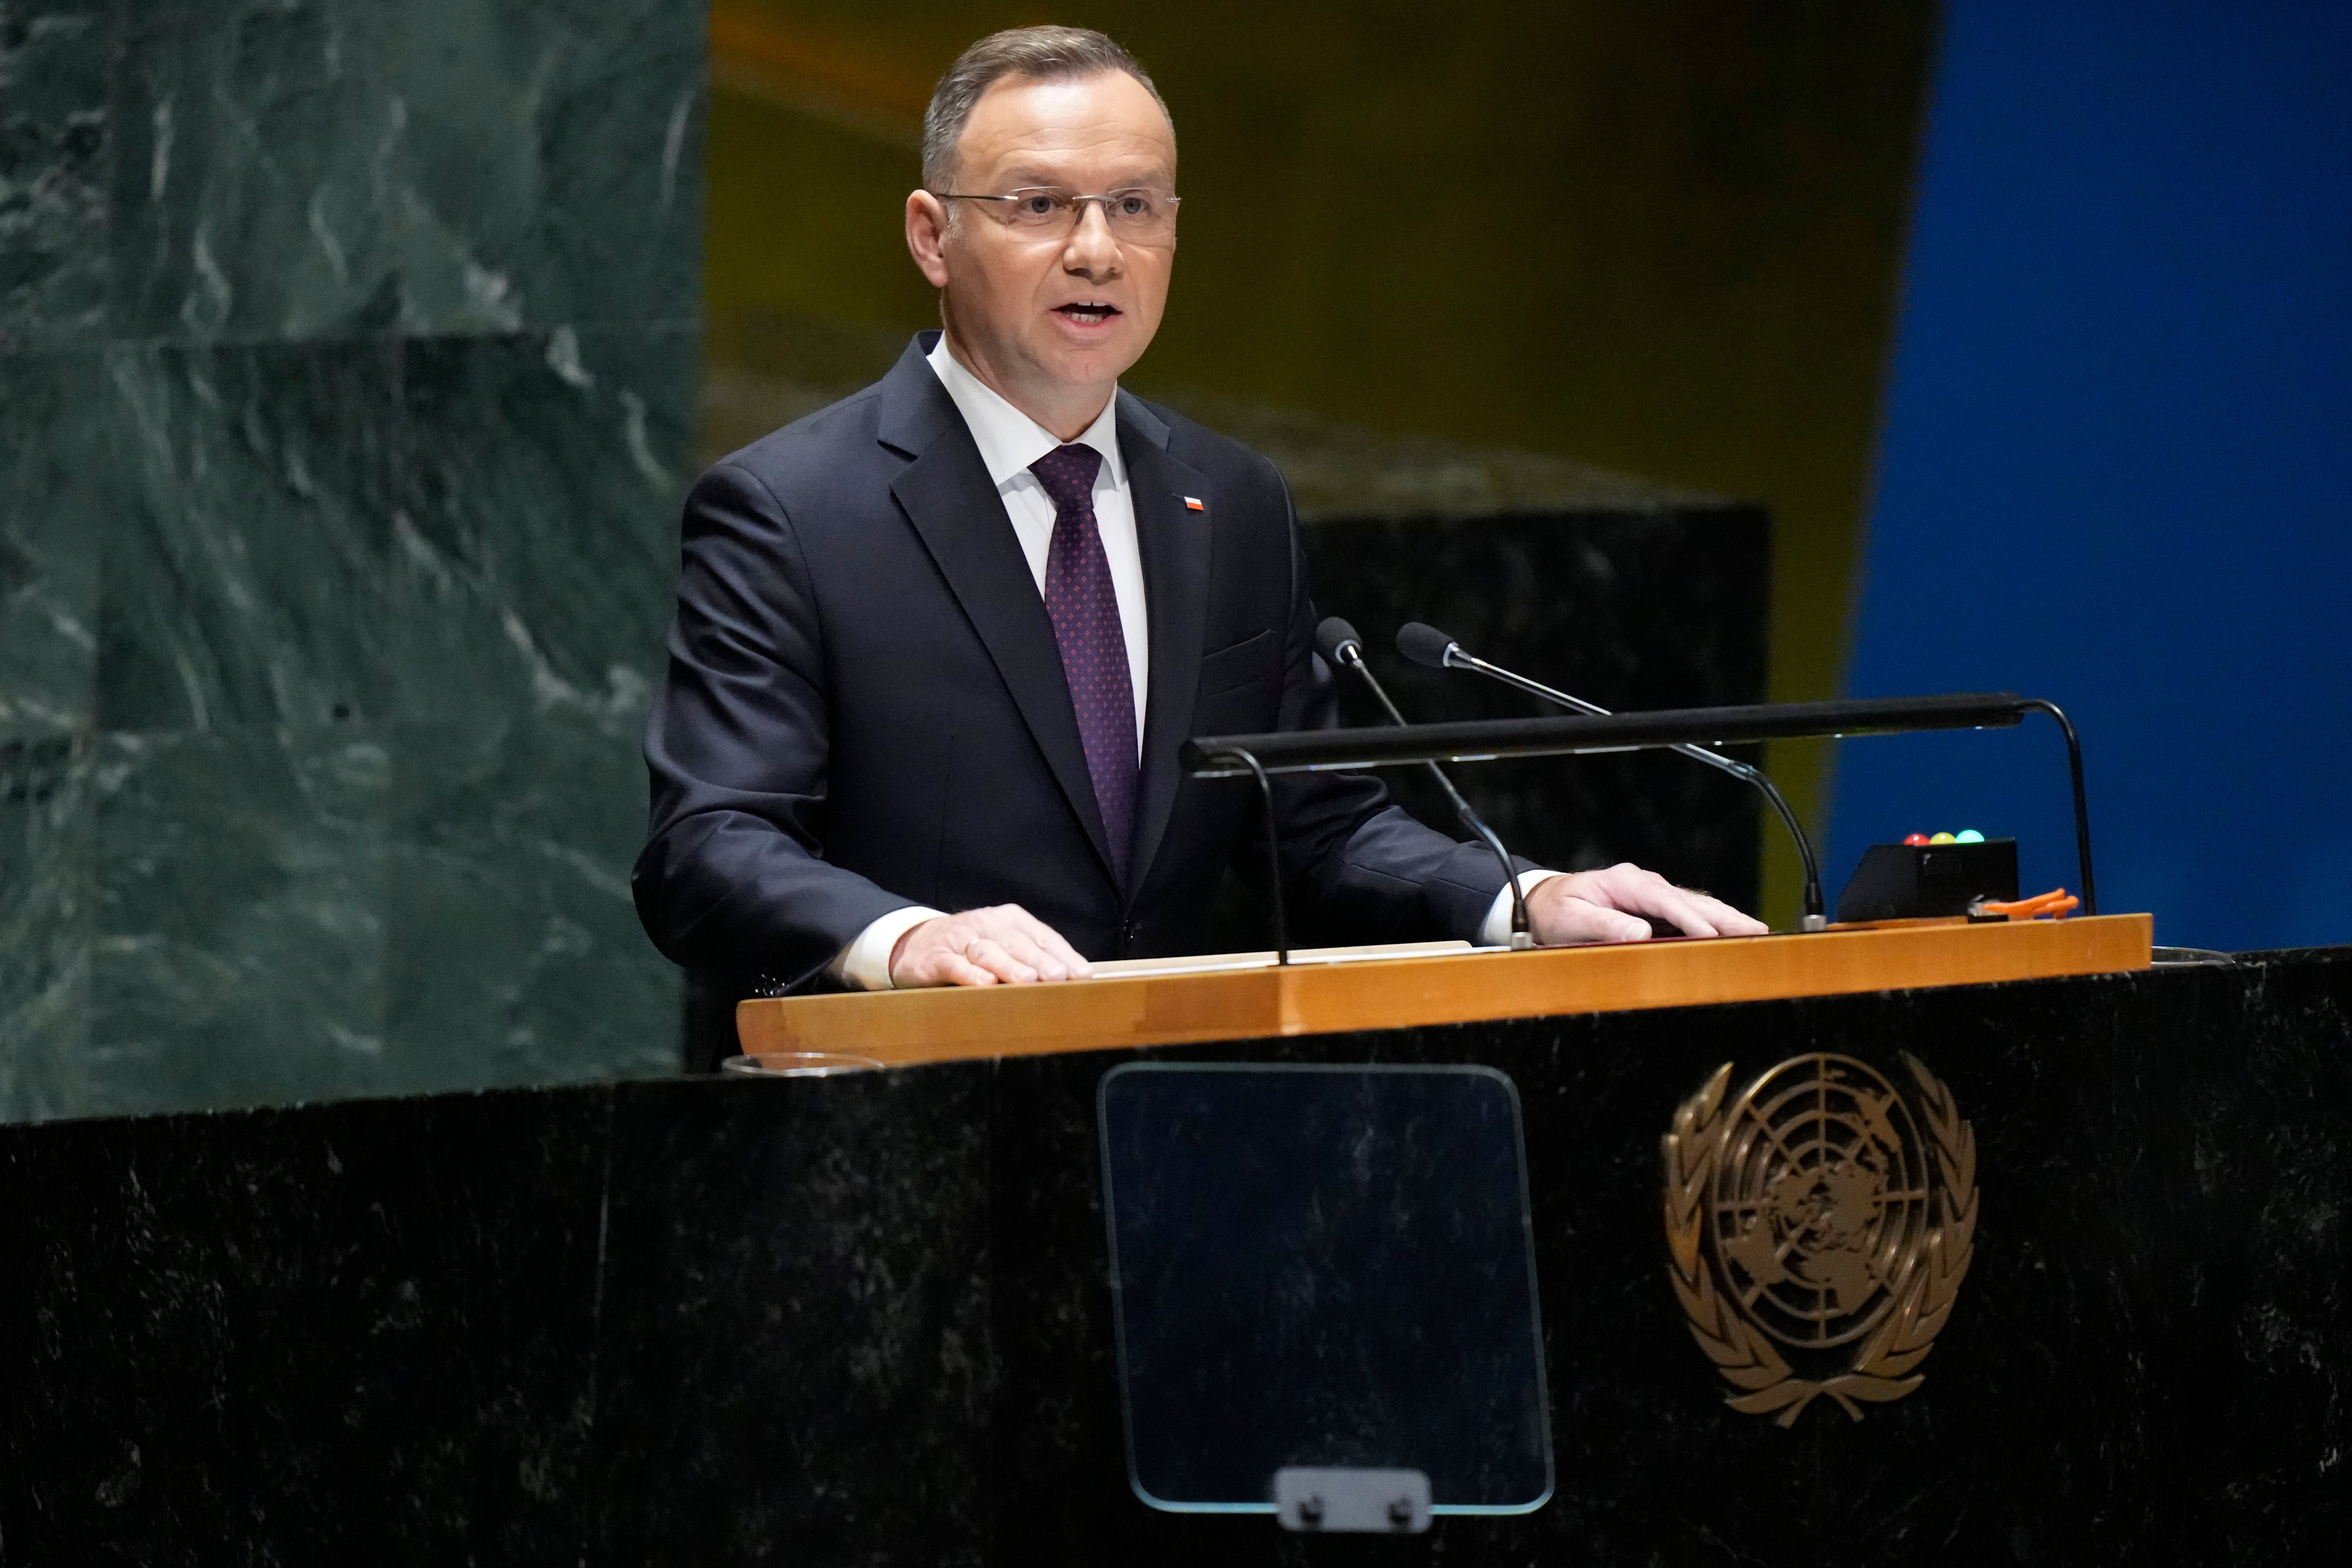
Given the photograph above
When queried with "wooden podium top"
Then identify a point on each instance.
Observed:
(955, 1023)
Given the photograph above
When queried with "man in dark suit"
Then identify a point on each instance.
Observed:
(937, 645)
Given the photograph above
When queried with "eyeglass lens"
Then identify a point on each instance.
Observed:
(1142, 213)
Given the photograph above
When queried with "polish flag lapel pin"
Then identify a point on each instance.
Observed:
(1194, 503)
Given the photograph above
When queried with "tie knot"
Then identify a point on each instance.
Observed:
(1069, 475)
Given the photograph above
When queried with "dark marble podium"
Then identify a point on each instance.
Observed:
(865, 1320)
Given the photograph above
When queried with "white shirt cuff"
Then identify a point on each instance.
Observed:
(1496, 931)
(865, 964)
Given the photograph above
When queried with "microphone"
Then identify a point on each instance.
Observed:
(1337, 641)
(1425, 645)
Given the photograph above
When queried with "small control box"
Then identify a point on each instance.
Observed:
(1905, 882)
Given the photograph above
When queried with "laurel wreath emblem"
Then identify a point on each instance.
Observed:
(1924, 1289)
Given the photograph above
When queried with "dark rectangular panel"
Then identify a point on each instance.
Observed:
(1664, 607)
(357, 1332)
(794, 1359)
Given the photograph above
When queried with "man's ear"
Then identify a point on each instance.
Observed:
(927, 229)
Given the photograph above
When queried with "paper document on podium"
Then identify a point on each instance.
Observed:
(1225, 962)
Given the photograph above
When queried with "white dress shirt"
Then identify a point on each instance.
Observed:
(1009, 441)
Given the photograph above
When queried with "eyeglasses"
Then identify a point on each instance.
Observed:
(1139, 214)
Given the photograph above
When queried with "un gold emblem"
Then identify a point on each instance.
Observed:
(1815, 1238)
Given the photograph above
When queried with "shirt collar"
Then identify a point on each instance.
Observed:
(1009, 441)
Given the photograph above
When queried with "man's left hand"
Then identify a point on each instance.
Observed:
(1608, 906)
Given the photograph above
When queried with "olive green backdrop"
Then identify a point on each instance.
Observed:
(1660, 235)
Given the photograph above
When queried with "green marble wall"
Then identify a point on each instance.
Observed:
(347, 355)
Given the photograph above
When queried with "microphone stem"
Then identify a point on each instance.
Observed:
(1470, 819)
(1816, 917)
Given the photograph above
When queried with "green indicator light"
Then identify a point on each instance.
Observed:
(1967, 835)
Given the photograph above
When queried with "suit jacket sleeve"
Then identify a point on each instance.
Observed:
(733, 880)
(1368, 871)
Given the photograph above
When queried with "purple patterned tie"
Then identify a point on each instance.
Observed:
(1085, 610)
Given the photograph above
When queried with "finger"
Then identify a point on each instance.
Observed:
(1698, 914)
(1678, 909)
(1620, 886)
(1072, 961)
(938, 966)
(1727, 918)
(1038, 958)
(1019, 945)
(1629, 888)
(1616, 925)
(990, 954)
(959, 970)
(1577, 920)
(1049, 942)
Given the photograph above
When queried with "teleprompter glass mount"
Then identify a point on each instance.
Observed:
(1327, 1273)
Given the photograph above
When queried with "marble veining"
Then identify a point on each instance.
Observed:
(54, 151)
(368, 777)
(346, 371)
(54, 476)
(46, 924)
(241, 583)
(309, 167)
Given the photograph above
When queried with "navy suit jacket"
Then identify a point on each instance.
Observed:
(865, 707)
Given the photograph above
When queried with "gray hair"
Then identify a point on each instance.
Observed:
(1039, 54)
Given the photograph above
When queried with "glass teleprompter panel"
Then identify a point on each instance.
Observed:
(1327, 1267)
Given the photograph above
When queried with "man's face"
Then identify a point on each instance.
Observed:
(1058, 317)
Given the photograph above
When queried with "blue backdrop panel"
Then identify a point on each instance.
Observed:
(2114, 470)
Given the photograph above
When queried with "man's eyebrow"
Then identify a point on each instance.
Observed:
(1022, 175)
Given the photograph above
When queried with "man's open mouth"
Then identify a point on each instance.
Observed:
(1089, 312)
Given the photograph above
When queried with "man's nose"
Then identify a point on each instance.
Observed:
(1091, 249)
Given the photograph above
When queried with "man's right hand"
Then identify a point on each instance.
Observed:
(982, 947)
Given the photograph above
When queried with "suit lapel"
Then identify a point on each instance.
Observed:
(947, 496)
(1174, 543)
